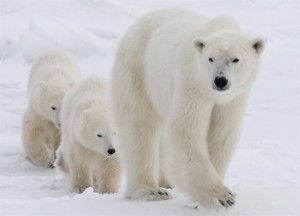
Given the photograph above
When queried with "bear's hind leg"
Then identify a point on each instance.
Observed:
(36, 140)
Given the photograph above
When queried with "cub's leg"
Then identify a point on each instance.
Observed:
(80, 167)
(37, 136)
(107, 174)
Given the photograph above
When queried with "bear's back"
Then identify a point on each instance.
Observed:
(83, 94)
(53, 64)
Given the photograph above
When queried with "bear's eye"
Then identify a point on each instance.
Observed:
(211, 60)
(99, 135)
(236, 60)
(53, 108)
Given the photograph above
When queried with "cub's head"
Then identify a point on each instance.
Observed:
(228, 62)
(93, 130)
(48, 98)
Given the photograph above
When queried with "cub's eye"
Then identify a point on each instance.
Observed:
(53, 108)
(235, 60)
(211, 60)
(99, 135)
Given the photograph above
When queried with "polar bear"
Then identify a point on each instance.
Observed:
(50, 78)
(88, 151)
(182, 81)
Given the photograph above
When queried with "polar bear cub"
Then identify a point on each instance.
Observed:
(88, 151)
(182, 80)
(51, 76)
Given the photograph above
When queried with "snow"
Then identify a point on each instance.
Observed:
(265, 171)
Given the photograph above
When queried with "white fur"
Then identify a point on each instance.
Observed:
(163, 93)
(85, 116)
(50, 78)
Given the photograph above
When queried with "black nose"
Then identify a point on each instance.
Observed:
(111, 151)
(220, 82)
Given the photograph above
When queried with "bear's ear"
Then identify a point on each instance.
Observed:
(199, 44)
(83, 114)
(258, 44)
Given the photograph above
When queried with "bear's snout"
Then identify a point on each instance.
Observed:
(221, 83)
(111, 151)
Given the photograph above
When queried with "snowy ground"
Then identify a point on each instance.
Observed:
(265, 170)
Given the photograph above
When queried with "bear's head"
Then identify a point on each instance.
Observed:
(93, 130)
(227, 63)
(49, 96)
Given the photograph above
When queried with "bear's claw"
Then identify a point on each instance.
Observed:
(228, 202)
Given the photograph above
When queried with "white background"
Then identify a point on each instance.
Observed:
(265, 169)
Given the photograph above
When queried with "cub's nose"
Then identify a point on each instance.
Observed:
(221, 83)
(111, 151)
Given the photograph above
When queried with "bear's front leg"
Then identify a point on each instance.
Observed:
(140, 148)
(189, 165)
(163, 181)
(224, 132)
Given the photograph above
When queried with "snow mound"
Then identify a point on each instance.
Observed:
(45, 34)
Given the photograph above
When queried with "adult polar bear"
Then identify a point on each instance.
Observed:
(182, 81)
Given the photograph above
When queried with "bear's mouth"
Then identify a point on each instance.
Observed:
(220, 89)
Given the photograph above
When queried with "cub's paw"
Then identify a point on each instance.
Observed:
(79, 189)
(149, 194)
(51, 166)
(106, 190)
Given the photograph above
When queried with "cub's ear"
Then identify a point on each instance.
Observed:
(199, 44)
(42, 85)
(83, 107)
(72, 83)
(258, 44)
